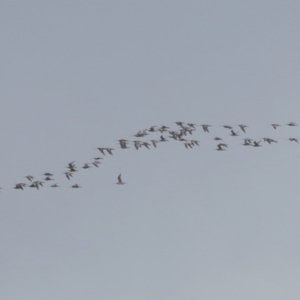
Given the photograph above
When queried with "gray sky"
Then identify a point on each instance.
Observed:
(188, 224)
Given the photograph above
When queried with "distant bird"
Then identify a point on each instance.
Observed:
(141, 133)
(120, 180)
(29, 177)
(223, 145)
(87, 166)
(194, 142)
(205, 127)
(145, 144)
(247, 142)
(179, 124)
(123, 143)
(68, 174)
(71, 166)
(220, 148)
(233, 133)
(243, 127)
(75, 186)
(152, 129)
(292, 124)
(270, 141)
(36, 184)
(217, 138)
(48, 174)
(227, 126)
(188, 145)
(186, 129)
(96, 163)
(256, 144)
(275, 125)
(20, 186)
(192, 125)
(101, 150)
(137, 144)
(294, 140)
(154, 143)
(163, 139)
(163, 128)
(109, 150)
(54, 185)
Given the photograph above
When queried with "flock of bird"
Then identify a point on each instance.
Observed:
(163, 133)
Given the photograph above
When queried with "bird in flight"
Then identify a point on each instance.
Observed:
(120, 182)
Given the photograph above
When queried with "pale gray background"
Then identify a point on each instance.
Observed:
(188, 224)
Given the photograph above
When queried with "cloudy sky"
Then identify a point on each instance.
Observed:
(189, 223)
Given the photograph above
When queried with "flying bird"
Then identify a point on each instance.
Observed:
(275, 125)
(75, 186)
(120, 182)
(243, 127)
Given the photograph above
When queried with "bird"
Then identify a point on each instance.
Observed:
(141, 133)
(137, 144)
(152, 129)
(194, 142)
(145, 144)
(292, 124)
(36, 184)
(154, 143)
(223, 145)
(275, 125)
(188, 145)
(179, 123)
(120, 182)
(243, 127)
(163, 128)
(68, 174)
(205, 127)
(163, 139)
(227, 126)
(71, 166)
(109, 150)
(294, 140)
(47, 174)
(247, 142)
(233, 133)
(123, 143)
(256, 144)
(87, 166)
(54, 185)
(270, 141)
(75, 186)
(96, 163)
(192, 125)
(20, 186)
(29, 177)
(220, 148)
(101, 150)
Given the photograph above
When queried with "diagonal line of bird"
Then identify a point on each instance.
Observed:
(180, 134)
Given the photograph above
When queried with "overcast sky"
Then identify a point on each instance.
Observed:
(189, 223)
